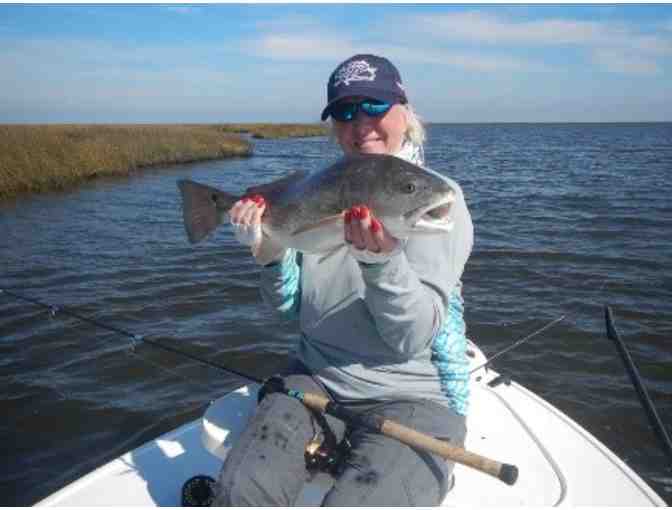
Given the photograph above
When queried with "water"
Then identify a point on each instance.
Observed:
(567, 217)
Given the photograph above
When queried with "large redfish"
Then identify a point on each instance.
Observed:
(305, 210)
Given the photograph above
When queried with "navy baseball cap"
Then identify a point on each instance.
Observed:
(368, 76)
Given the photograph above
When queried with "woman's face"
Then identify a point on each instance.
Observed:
(372, 135)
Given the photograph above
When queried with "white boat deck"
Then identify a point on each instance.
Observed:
(559, 462)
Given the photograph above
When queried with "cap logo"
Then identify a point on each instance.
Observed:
(358, 70)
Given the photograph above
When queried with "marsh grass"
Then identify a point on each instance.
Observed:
(36, 158)
(260, 130)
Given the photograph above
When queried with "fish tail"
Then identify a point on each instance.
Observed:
(203, 208)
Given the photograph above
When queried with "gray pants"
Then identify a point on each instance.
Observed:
(266, 466)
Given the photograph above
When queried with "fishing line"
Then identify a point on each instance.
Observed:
(132, 352)
(517, 343)
(135, 339)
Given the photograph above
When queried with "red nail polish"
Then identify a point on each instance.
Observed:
(356, 213)
(348, 217)
(375, 226)
(246, 200)
(364, 212)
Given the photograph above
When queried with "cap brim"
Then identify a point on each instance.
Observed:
(380, 95)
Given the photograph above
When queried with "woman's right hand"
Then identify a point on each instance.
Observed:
(245, 218)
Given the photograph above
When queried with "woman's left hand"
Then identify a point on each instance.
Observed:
(367, 237)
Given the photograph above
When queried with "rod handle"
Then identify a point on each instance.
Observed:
(507, 473)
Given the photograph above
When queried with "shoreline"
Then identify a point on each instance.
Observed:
(36, 158)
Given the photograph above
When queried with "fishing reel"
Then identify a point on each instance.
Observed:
(324, 456)
(199, 490)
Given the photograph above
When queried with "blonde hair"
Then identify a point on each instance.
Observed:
(415, 130)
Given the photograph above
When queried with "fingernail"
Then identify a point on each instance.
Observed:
(364, 212)
(246, 200)
(375, 225)
(356, 213)
(348, 217)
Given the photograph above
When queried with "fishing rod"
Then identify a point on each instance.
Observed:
(642, 393)
(507, 473)
(135, 338)
(517, 343)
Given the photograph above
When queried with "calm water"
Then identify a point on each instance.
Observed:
(568, 218)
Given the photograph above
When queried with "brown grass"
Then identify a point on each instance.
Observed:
(36, 158)
(276, 130)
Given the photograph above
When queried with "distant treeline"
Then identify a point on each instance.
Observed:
(36, 158)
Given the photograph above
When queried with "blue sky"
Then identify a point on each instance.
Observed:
(270, 62)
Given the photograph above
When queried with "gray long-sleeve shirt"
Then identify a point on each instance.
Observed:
(382, 331)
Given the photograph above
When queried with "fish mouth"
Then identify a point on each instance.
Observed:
(433, 217)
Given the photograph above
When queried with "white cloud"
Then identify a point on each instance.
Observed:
(64, 56)
(300, 47)
(436, 39)
(182, 9)
(616, 61)
(287, 23)
(336, 48)
(471, 61)
(615, 46)
(72, 73)
(651, 44)
(491, 29)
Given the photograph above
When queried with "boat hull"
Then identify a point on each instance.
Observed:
(559, 462)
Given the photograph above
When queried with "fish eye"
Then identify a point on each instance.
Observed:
(409, 187)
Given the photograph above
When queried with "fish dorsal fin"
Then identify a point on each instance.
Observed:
(277, 185)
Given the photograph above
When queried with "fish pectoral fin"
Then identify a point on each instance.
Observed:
(328, 222)
(319, 237)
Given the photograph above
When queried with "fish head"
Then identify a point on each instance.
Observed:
(407, 198)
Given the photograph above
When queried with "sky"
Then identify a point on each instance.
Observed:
(212, 63)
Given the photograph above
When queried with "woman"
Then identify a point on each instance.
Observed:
(381, 328)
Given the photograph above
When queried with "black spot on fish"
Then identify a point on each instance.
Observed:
(262, 457)
(287, 417)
